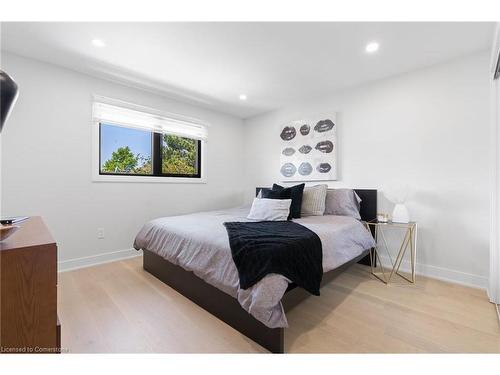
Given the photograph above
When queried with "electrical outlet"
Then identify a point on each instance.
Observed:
(100, 233)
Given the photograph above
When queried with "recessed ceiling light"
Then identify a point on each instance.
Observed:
(243, 97)
(372, 47)
(98, 43)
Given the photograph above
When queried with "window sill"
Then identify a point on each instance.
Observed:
(145, 179)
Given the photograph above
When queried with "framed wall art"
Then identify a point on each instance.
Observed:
(309, 149)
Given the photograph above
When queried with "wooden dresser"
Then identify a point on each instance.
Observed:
(28, 287)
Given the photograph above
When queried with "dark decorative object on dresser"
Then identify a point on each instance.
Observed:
(28, 291)
(8, 96)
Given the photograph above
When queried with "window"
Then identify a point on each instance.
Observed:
(134, 144)
(129, 152)
(125, 151)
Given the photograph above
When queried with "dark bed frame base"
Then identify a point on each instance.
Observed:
(227, 308)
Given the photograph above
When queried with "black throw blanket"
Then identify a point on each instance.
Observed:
(282, 247)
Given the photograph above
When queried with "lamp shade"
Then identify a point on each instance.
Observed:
(400, 214)
(8, 96)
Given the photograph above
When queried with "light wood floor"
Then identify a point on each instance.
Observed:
(118, 307)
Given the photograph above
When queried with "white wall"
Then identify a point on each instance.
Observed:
(428, 129)
(46, 163)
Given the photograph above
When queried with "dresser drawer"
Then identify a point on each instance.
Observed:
(29, 290)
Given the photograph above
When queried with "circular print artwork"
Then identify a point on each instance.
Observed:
(288, 170)
(305, 169)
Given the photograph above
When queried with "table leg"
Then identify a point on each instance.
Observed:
(415, 250)
(412, 248)
(374, 258)
(401, 253)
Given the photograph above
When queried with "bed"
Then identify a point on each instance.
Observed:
(191, 254)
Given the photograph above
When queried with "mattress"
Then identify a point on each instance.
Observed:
(199, 243)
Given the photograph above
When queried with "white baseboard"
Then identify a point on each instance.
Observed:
(434, 272)
(444, 274)
(93, 260)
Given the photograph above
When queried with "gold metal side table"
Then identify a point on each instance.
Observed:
(409, 242)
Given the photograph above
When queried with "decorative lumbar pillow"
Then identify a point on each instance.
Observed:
(313, 200)
(296, 193)
(264, 209)
(343, 202)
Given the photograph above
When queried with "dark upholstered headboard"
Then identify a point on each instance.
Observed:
(368, 209)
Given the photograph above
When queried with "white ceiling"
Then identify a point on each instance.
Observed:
(274, 64)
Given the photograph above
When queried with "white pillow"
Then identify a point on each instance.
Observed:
(313, 200)
(264, 209)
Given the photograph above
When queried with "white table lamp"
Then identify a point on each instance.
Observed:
(400, 214)
(398, 196)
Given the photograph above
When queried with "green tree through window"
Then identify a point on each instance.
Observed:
(179, 155)
(122, 160)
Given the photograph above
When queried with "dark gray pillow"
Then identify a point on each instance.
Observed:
(296, 193)
(342, 202)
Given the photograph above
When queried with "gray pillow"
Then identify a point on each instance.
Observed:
(313, 200)
(342, 202)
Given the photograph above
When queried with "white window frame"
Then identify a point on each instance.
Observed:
(95, 126)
